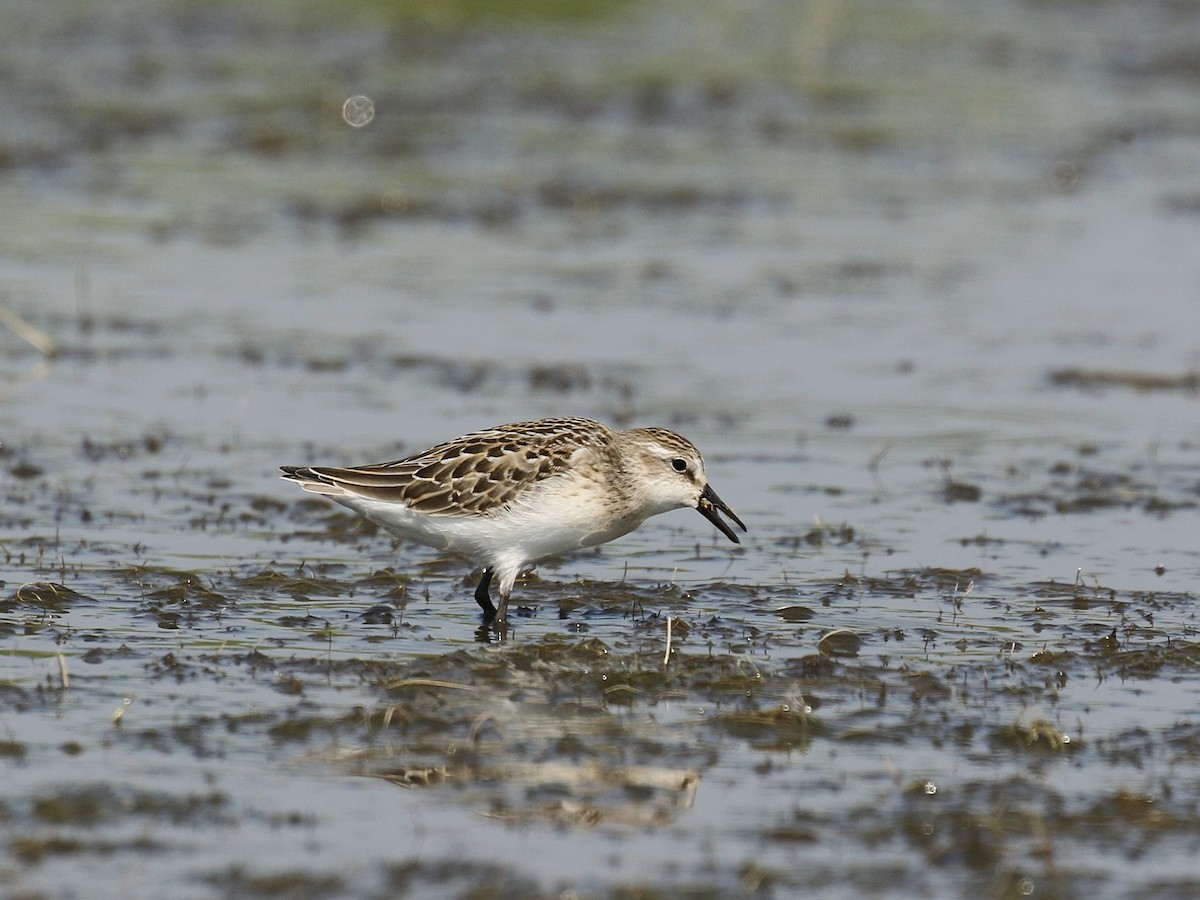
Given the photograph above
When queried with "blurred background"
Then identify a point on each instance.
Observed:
(454, 213)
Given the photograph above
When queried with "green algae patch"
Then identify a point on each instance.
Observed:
(42, 596)
(238, 882)
(462, 13)
(1095, 379)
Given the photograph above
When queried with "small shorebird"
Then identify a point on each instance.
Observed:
(511, 495)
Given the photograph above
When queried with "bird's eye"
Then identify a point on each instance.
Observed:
(679, 464)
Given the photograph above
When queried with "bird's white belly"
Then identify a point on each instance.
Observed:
(552, 521)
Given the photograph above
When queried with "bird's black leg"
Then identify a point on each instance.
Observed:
(481, 595)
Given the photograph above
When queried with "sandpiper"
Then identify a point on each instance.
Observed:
(511, 495)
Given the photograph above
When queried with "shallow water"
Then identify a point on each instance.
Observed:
(920, 281)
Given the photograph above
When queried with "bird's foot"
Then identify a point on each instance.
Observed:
(481, 595)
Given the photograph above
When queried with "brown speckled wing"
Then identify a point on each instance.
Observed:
(477, 473)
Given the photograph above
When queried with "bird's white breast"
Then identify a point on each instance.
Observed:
(554, 516)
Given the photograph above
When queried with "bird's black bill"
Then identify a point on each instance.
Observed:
(711, 506)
